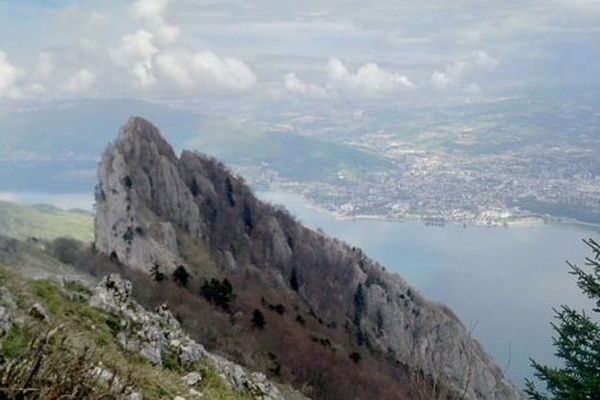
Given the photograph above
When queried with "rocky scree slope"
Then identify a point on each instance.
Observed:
(149, 200)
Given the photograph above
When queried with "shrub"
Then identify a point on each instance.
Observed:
(294, 284)
(156, 273)
(258, 319)
(278, 308)
(218, 293)
(181, 276)
(300, 320)
(66, 250)
(128, 236)
(354, 356)
(113, 324)
(128, 182)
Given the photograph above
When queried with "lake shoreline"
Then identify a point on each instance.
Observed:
(528, 221)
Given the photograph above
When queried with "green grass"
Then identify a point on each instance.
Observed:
(45, 222)
(15, 344)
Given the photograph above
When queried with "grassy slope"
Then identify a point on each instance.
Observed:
(44, 222)
(95, 331)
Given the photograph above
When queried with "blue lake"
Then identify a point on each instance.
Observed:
(502, 282)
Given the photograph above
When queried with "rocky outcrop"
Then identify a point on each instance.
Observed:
(158, 337)
(8, 306)
(139, 170)
(147, 194)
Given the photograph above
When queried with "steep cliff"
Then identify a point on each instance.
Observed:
(152, 206)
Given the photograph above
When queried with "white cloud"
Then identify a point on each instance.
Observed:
(151, 13)
(369, 78)
(440, 80)
(296, 86)
(454, 73)
(10, 75)
(205, 69)
(143, 73)
(83, 80)
(133, 48)
(151, 58)
(135, 53)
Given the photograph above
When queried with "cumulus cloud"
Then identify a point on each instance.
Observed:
(134, 47)
(454, 73)
(10, 75)
(296, 86)
(369, 79)
(151, 56)
(152, 14)
(135, 53)
(82, 80)
(190, 70)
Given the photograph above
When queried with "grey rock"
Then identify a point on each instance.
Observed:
(8, 307)
(135, 396)
(6, 321)
(255, 383)
(192, 379)
(40, 312)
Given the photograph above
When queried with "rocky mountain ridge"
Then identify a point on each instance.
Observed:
(151, 204)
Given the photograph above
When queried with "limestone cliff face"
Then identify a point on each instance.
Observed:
(138, 184)
(147, 194)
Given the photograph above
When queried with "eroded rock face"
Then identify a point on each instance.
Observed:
(139, 196)
(255, 383)
(144, 184)
(158, 336)
(8, 307)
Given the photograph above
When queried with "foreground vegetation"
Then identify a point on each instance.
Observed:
(577, 343)
(73, 351)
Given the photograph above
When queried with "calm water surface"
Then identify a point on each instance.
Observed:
(502, 282)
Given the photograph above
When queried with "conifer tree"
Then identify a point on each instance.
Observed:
(577, 342)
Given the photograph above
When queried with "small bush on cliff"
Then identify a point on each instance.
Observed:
(577, 343)
(219, 293)
(156, 274)
(181, 276)
(258, 319)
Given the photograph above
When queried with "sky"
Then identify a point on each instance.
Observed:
(314, 50)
